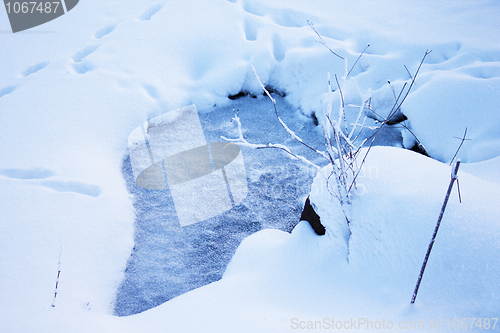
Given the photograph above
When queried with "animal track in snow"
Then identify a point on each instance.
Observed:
(289, 18)
(448, 58)
(443, 53)
(79, 56)
(150, 12)
(284, 17)
(474, 68)
(279, 49)
(41, 176)
(7, 90)
(152, 91)
(35, 68)
(37, 173)
(104, 31)
(482, 70)
(250, 29)
(72, 186)
(80, 66)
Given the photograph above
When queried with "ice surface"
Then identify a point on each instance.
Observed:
(171, 256)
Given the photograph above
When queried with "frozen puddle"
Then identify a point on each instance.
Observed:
(172, 256)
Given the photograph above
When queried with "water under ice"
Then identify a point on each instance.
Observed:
(169, 260)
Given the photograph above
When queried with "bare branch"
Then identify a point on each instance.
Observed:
(289, 131)
(443, 207)
(461, 143)
(321, 41)
(340, 90)
(411, 77)
(244, 143)
(395, 107)
(358, 59)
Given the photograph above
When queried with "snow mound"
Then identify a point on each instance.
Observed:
(277, 280)
(442, 108)
(377, 268)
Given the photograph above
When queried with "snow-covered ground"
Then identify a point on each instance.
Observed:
(72, 91)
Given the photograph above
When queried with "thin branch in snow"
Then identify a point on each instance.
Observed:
(411, 77)
(461, 143)
(57, 279)
(412, 80)
(454, 177)
(393, 91)
(321, 41)
(364, 100)
(340, 91)
(395, 107)
(342, 109)
(332, 151)
(241, 141)
(289, 131)
(358, 59)
(329, 82)
(263, 87)
(409, 130)
(341, 134)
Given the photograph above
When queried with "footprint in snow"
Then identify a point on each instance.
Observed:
(37, 173)
(35, 68)
(72, 186)
(150, 12)
(42, 176)
(80, 65)
(105, 31)
(7, 90)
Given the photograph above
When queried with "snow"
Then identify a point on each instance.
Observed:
(275, 276)
(388, 243)
(74, 89)
(454, 96)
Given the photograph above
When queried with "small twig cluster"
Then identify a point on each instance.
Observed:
(340, 140)
(405, 90)
(244, 143)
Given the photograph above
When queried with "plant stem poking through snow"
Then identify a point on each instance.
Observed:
(454, 172)
(321, 41)
(367, 46)
(244, 143)
(341, 150)
(395, 108)
(464, 138)
(57, 279)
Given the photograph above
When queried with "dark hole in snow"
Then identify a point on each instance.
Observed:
(273, 90)
(315, 119)
(419, 148)
(240, 95)
(309, 215)
(397, 118)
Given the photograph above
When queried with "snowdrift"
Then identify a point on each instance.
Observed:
(276, 280)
